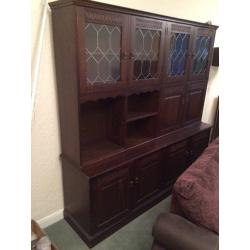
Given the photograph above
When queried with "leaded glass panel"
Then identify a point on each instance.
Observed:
(178, 54)
(201, 53)
(103, 50)
(146, 53)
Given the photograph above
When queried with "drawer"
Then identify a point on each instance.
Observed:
(177, 146)
(201, 136)
(148, 159)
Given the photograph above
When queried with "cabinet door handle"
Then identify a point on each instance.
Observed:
(131, 56)
(131, 183)
(125, 56)
(136, 180)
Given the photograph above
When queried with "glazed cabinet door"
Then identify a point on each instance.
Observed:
(102, 37)
(178, 50)
(195, 97)
(111, 200)
(147, 177)
(171, 107)
(146, 50)
(202, 51)
(174, 162)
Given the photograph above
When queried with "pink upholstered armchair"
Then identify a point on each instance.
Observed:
(193, 222)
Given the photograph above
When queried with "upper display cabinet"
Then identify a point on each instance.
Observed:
(109, 51)
(202, 52)
(146, 50)
(178, 46)
(103, 49)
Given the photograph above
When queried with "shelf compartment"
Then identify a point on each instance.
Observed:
(102, 129)
(143, 103)
(99, 150)
(140, 131)
(133, 116)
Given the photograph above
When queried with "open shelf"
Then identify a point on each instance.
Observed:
(133, 116)
(98, 150)
(140, 131)
(143, 105)
(102, 129)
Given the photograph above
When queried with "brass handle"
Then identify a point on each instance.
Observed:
(132, 56)
(136, 180)
(125, 56)
(183, 101)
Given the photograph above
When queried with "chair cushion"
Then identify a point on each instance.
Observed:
(196, 190)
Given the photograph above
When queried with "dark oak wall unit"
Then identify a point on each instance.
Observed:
(131, 88)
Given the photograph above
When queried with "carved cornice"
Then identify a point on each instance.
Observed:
(180, 28)
(148, 24)
(204, 32)
(103, 17)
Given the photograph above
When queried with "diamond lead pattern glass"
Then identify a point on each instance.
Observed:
(201, 53)
(102, 49)
(146, 53)
(178, 54)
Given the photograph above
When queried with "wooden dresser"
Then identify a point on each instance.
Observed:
(131, 88)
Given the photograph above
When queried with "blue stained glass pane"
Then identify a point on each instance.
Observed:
(178, 54)
(201, 53)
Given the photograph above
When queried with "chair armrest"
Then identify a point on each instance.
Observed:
(175, 232)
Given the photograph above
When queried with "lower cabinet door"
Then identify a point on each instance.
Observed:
(111, 199)
(147, 177)
(173, 162)
(196, 146)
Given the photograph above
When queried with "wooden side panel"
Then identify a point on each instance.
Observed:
(64, 34)
(76, 195)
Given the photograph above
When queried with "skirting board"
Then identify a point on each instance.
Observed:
(51, 219)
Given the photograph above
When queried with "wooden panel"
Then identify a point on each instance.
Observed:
(194, 102)
(110, 196)
(65, 41)
(171, 108)
(147, 177)
(196, 146)
(174, 162)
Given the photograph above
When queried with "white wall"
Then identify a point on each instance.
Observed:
(47, 195)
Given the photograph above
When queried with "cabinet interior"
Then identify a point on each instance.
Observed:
(142, 105)
(140, 131)
(101, 128)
